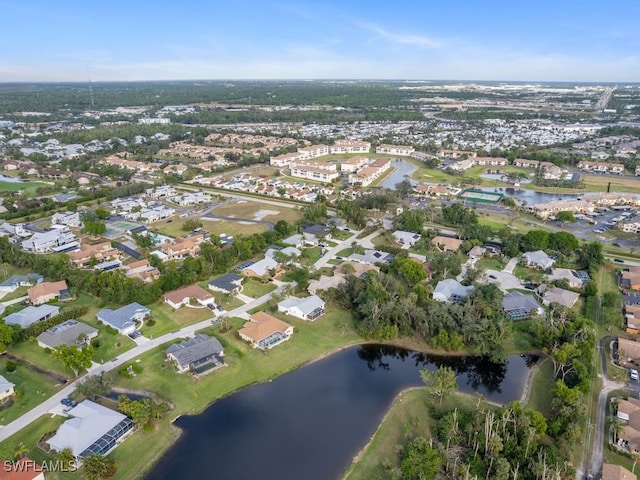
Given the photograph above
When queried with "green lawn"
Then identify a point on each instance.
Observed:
(542, 385)
(248, 210)
(32, 388)
(311, 255)
(344, 253)
(29, 187)
(492, 263)
(255, 288)
(228, 227)
(167, 319)
(527, 274)
(245, 366)
(341, 235)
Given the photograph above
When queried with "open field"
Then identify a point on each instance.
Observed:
(618, 183)
(234, 229)
(29, 187)
(32, 388)
(258, 211)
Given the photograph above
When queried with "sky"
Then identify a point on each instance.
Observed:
(542, 40)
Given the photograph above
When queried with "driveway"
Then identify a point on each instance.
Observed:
(511, 265)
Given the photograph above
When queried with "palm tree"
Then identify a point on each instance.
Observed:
(20, 451)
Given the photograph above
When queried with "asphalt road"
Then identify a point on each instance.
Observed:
(54, 401)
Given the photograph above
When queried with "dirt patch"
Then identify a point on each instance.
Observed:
(56, 378)
(260, 214)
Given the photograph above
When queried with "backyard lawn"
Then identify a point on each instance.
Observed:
(31, 387)
(167, 319)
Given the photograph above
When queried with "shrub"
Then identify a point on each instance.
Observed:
(11, 366)
(151, 322)
(96, 343)
(47, 350)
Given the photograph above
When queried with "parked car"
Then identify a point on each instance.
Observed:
(618, 260)
(634, 374)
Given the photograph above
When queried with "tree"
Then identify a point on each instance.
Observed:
(94, 385)
(591, 288)
(421, 461)
(67, 459)
(404, 188)
(102, 213)
(94, 227)
(143, 241)
(74, 358)
(590, 255)
(611, 299)
(439, 382)
(191, 223)
(565, 216)
(96, 467)
(6, 336)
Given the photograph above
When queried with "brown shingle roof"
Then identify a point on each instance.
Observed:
(177, 296)
(46, 288)
(616, 472)
(262, 325)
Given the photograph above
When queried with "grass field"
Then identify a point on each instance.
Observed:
(32, 388)
(255, 288)
(29, 187)
(167, 319)
(541, 387)
(258, 211)
(618, 184)
(234, 229)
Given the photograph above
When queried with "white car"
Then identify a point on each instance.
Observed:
(634, 374)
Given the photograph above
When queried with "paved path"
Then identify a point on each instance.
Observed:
(52, 403)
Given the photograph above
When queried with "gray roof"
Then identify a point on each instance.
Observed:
(16, 280)
(197, 348)
(66, 333)
(226, 282)
(370, 257)
(90, 421)
(450, 288)
(122, 318)
(31, 314)
(518, 300)
(564, 297)
(5, 384)
(306, 305)
(539, 257)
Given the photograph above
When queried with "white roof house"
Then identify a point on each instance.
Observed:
(30, 315)
(450, 290)
(92, 429)
(371, 257)
(539, 259)
(308, 308)
(407, 239)
(6, 388)
(47, 241)
(261, 267)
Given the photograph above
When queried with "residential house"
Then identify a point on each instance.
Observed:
(308, 308)
(87, 254)
(184, 296)
(628, 351)
(575, 279)
(30, 315)
(71, 332)
(538, 259)
(261, 268)
(300, 240)
(142, 270)
(124, 319)
(70, 219)
(46, 291)
(161, 191)
(49, 241)
(518, 306)
(14, 282)
(264, 331)
(450, 290)
(6, 388)
(92, 429)
(230, 283)
(22, 469)
(446, 244)
(632, 318)
(318, 231)
(199, 354)
(371, 257)
(477, 252)
(629, 278)
(191, 198)
(629, 414)
(616, 472)
(178, 169)
(563, 297)
(406, 239)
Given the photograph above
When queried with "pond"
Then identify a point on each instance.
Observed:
(4, 178)
(531, 196)
(402, 169)
(309, 423)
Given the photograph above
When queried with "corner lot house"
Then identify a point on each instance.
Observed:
(199, 354)
(11, 284)
(229, 283)
(183, 296)
(538, 259)
(46, 291)
(308, 308)
(30, 315)
(450, 290)
(93, 429)
(446, 244)
(6, 388)
(265, 331)
(125, 318)
(71, 332)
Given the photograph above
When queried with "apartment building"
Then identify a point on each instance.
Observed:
(395, 149)
(350, 146)
(601, 167)
(101, 252)
(320, 172)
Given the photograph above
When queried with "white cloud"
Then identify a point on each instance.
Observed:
(402, 39)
